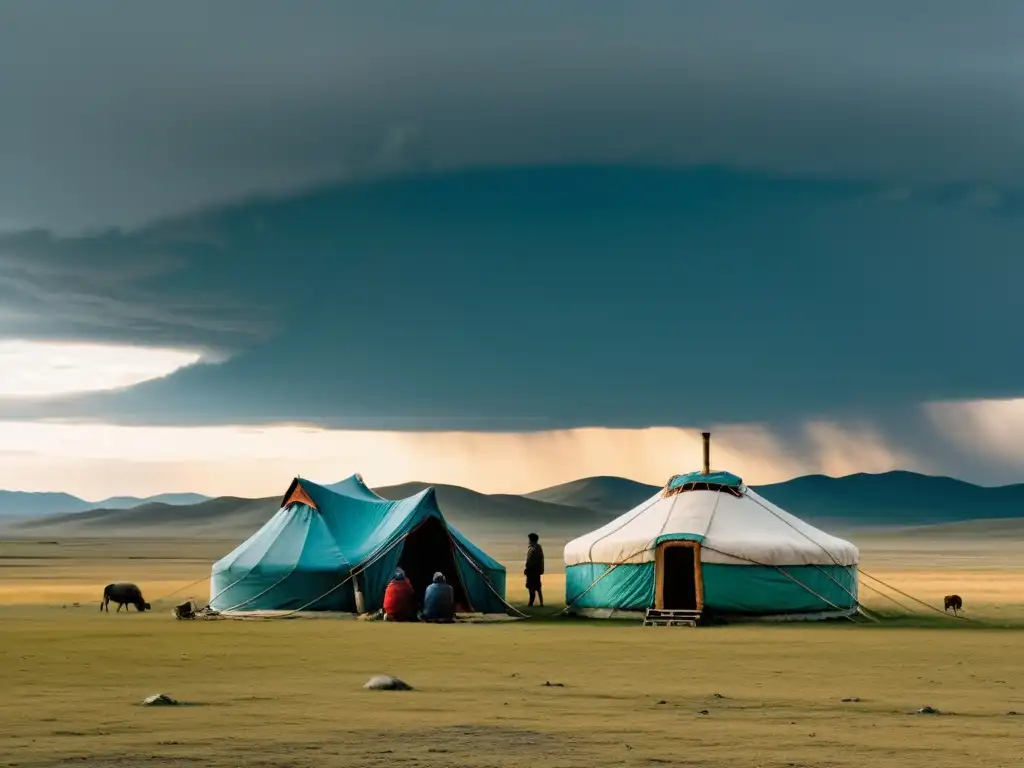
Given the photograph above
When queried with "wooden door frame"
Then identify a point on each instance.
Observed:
(659, 572)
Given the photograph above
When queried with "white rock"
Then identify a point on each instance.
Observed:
(158, 700)
(386, 683)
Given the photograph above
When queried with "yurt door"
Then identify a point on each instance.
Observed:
(678, 583)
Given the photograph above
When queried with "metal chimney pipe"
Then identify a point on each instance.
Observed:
(707, 452)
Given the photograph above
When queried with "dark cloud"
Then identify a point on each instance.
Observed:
(113, 287)
(118, 114)
(551, 297)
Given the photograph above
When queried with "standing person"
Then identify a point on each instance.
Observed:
(534, 569)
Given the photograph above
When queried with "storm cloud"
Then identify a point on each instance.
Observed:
(117, 114)
(538, 298)
(457, 216)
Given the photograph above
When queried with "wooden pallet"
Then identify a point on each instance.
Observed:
(671, 618)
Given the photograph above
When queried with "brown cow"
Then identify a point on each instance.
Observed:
(953, 601)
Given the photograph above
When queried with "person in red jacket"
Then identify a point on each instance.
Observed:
(399, 599)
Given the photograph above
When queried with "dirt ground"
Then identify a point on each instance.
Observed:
(289, 693)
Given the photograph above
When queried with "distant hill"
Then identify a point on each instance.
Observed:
(23, 504)
(127, 502)
(894, 498)
(464, 505)
(226, 516)
(27, 504)
(613, 495)
(476, 514)
(891, 498)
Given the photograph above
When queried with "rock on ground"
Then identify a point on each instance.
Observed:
(386, 683)
(158, 700)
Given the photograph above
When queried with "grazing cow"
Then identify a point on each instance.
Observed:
(953, 601)
(124, 594)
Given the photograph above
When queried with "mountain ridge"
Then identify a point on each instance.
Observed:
(891, 499)
(15, 504)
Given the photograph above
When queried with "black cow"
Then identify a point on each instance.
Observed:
(124, 594)
(953, 601)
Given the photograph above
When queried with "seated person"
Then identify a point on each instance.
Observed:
(439, 600)
(399, 599)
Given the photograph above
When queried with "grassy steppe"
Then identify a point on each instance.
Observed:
(288, 693)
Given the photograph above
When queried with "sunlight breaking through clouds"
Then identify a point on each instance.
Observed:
(98, 460)
(48, 369)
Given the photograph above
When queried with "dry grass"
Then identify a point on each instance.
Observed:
(279, 693)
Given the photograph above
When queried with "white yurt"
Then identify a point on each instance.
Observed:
(709, 545)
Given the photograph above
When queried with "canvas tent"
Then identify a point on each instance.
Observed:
(708, 543)
(335, 549)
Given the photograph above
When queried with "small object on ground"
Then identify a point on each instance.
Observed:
(1011, 713)
(549, 684)
(703, 712)
(386, 683)
(953, 601)
(852, 698)
(928, 711)
(663, 702)
(159, 700)
(717, 696)
(185, 611)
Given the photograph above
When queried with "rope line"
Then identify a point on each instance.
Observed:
(791, 578)
(181, 589)
(640, 510)
(916, 600)
(487, 580)
(859, 569)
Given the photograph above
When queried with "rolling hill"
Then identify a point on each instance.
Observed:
(613, 495)
(480, 516)
(895, 499)
(888, 499)
(25, 504)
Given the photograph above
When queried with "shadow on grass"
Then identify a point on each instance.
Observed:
(933, 620)
(554, 614)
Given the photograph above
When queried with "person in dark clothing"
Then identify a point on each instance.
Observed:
(534, 569)
(439, 601)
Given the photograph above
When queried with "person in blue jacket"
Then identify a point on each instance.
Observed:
(439, 600)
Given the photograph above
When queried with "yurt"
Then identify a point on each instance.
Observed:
(335, 549)
(708, 547)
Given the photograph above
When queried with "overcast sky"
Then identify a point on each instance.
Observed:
(456, 216)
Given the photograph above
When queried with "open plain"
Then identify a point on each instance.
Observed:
(289, 692)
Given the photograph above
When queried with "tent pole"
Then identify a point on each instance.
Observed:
(357, 588)
(707, 452)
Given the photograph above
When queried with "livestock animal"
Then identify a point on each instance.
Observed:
(124, 594)
(953, 601)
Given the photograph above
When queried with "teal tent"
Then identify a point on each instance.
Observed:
(335, 549)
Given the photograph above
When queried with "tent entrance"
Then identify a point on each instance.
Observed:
(428, 549)
(678, 584)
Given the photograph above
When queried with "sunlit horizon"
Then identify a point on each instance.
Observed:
(96, 461)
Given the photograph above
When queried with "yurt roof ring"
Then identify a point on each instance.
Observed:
(705, 480)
